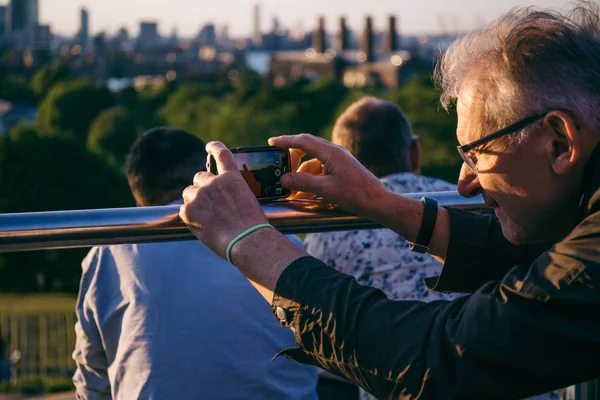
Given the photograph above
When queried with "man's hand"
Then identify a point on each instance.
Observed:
(219, 207)
(334, 175)
(339, 178)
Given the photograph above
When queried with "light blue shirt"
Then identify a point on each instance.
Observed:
(174, 321)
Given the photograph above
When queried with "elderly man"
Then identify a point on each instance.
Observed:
(527, 89)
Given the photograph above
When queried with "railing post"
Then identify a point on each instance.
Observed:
(588, 390)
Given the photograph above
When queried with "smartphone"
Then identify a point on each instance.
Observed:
(261, 167)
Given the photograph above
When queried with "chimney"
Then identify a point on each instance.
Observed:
(343, 35)
(367, 42)
(390, 41)
(318, 39)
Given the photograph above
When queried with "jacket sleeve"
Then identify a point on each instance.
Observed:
(91, 376)
(478, 253)
(533, 331)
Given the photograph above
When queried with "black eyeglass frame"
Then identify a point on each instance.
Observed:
(512, 128)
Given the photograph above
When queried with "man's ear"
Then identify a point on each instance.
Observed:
(415, 156)
(564, 149)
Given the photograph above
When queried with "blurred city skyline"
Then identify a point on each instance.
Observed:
(187, 17)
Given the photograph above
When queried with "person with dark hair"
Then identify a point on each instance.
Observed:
(173, 320)
(527, 93)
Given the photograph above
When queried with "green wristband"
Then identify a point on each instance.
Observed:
(243, 235)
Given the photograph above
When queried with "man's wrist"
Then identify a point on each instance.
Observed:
(404, 215)
(262, 256)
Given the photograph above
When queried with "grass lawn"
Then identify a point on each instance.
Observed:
(34, 303)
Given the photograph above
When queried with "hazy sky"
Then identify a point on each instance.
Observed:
(187, 16)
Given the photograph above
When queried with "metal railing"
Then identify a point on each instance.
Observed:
(85, 228)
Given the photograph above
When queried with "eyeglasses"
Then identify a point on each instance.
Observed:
(470, 159)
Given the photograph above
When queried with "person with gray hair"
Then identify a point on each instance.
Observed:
(527, 93)
(378, 134)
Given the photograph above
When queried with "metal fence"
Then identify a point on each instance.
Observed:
(38, 345)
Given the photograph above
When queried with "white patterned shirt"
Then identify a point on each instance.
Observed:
(380, 257)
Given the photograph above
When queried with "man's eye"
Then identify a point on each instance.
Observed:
(472, 157)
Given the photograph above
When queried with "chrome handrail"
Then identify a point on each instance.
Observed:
(85, 228)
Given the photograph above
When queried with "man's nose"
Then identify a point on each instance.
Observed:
(468, 182)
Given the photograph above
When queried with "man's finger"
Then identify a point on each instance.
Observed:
(185, 213)
(296, 158)
(189, 193)
(313, 167)
(201, 177)
(312, 145)
(223, 157)
(302, 182)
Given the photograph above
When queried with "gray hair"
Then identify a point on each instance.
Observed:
(535, 61)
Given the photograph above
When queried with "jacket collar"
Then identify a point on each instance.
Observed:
(590, 185)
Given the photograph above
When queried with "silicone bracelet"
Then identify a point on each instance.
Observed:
(243, 235)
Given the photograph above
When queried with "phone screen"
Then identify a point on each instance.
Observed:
(262, 169)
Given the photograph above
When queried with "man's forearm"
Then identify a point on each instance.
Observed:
(263, 256)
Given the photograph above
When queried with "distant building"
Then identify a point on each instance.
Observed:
(148, 34)
(291, 66)
(84, 29)
(174, 38)
(3, 18)
(208, 35)
(123, 35)
(224, 38)
(257, 33)
(368, 66)
(43, 36)
(391, 71)
(23, 21)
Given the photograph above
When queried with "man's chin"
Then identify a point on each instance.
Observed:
(511, 231)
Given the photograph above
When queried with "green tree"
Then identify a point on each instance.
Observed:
(237, 126)
(195, 109)
(112, 133)
(39, 173)
(46, 77)
(15, 88)
(147, 105)
(70, 107)
(435, 127)
(248, 85)
(191, 108)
